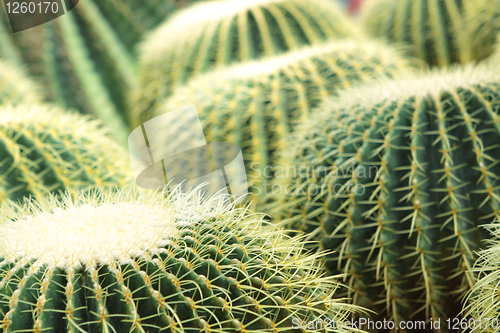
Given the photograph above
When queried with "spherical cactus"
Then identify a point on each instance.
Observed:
(396, 177)
(15, 87)
(131, 262)
(43, 149)
(482, 302)
(219, 33)
(257, 105)
(438, 31)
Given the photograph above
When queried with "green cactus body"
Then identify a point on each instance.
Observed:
(440, 32)
(15, 87)
(145, 263)
(44, 149)
(481, 305)
(85, 58)
(219, 33)
(396, 177)
(257, 105)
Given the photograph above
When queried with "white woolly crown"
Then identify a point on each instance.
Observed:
(99, 227)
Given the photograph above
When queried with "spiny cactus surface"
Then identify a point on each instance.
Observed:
(482, 302)
(440, 32)
(43, 149)
(133, 262)
(257, 105)
(396, 177)
(15, 86)
(217, 33)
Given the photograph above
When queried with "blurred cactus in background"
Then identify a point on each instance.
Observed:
(258, 104)
(44, 149)
(85, 59)
(219, 33)
(438, 31)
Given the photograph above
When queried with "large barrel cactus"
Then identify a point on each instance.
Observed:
(145, 263)
(15, 86)
(257, 105)
(396, 177)
(438, 31)
(43, 149)
(85, 59)
(482, 305)
(219, 33)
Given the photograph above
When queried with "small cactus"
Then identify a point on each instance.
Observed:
(482, 302)
(43, 149)
(219, 33)
(136, 262)
(257, 105)
(396, 177)
(438, 31)
(15, 87)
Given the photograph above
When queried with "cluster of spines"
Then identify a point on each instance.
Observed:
(258, 104)
(47, 150)
(481, 303)
(229, 272)
(439, 32)
(399, 177)
(219, 33)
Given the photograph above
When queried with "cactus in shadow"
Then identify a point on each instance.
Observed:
(258, 104)
(43, 150)
(148, 263)
(396, 177)
(220, 33)
(437, 31)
